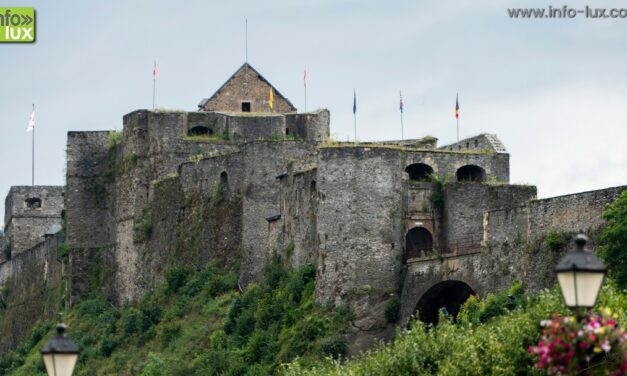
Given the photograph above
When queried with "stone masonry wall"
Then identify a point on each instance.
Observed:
(360, 230)
(26, 226)
(446, 164)
(31, 288)
(89, 224)
(513, 246)
(309, 126)
(262, 162)
(298, 235)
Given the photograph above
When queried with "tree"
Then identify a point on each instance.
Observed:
(614, 251)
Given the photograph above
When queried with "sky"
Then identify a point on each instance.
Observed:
(553, 90)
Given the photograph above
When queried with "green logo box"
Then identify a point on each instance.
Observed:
(17, 25)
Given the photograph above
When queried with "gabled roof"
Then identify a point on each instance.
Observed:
(202, 103)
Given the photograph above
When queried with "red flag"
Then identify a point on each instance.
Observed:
(154, 70)
(305, 77)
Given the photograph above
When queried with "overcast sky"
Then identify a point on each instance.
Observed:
(553, 90)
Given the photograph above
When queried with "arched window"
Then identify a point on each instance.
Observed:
(470, 173)
(419, 171)
(418, 240)
(224, 177)
(200, 131)
(33, 203)
(312, 186)
(447, 296)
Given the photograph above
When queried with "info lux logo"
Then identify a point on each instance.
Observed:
(17, 25)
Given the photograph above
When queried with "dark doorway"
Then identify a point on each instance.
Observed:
(447, 296)
(418, 240)
(419, 171)
(470, 173)
(200, 131)
(245, 106)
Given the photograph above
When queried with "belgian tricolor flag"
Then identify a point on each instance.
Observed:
(457, 107)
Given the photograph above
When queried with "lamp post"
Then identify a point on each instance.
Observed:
(60, 354)
(580, 275)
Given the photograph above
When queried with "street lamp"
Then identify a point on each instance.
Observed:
(580, 275)
(60, 354)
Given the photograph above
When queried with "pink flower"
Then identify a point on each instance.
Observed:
(606, 345)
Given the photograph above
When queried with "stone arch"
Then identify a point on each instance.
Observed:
(419, 171)
(418, 240)
(470, 173)
(200, 130)
(446, 295)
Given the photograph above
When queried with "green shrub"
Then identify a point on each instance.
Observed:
(556, 240)
(334, 346)
(63, 250)
(175, 278)
(143, 226)
(614, 251)
(108, 345)
(115, 138)
(393, 310)
(154, 366)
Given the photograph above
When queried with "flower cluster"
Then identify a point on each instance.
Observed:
(596, 345)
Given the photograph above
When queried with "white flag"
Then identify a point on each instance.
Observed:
(31, 122)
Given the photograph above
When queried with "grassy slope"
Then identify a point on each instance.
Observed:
(197, 323)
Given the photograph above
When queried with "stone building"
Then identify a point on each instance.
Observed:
(381, 220)
(246, 91)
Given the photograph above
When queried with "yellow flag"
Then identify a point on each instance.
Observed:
(271, 99)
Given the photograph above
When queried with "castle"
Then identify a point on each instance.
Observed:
(238, 180)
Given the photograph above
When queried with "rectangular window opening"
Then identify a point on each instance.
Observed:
(245, 106)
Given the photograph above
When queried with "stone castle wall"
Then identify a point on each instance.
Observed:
(31, 284)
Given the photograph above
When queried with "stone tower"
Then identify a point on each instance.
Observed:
(29, 212)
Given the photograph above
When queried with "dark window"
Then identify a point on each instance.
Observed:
(476, 143)
(470, 173)
(417, 241)
(313, 185)
(200, 131)
(33, 203)
(245, 106)
(224, 177)
(467, 145)
(419, 171)
(287, 131)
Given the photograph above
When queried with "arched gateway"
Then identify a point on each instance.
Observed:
(447, 295)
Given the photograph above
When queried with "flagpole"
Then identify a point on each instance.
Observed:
(355, 112)
(33, 160)
(402, 128)
(154, 84)
(355, 119)
(305, 84)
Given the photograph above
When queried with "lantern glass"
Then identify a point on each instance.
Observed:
(60, 364)
(580, 288)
